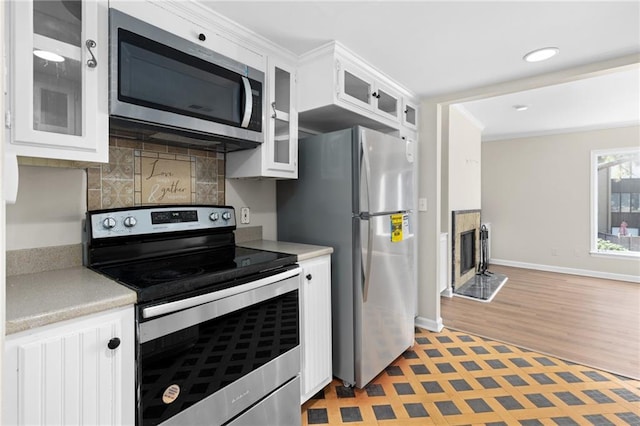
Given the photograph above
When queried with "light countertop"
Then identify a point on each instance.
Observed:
(303, 251)
(38, 299)
(42, 298)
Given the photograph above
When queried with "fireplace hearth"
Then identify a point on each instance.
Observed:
(468, 279)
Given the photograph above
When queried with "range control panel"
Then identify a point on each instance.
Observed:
(152, 220)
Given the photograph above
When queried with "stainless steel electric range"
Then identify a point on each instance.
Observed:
(217, 326)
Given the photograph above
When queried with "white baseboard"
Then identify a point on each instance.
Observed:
(447, 292)
(429, 324)
(563, 270)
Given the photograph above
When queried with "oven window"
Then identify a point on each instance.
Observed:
(182, 368)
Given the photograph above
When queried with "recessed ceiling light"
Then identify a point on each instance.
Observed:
(541, 54)
(48, 56)
(520, 107)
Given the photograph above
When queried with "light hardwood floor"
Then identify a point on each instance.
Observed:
(591, 321)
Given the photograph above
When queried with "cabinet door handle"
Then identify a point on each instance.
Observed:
(308, 277)
(376, 95)
(275, 113)
(202, 37)
(113, 343)
(91, 63)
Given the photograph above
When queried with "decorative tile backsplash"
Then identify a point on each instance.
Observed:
(140, 173)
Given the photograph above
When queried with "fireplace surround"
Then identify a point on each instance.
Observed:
(465, 245)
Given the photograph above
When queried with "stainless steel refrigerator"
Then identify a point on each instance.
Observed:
(355, 193)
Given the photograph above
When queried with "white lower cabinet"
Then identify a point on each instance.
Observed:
(79, 371)
(315, 319)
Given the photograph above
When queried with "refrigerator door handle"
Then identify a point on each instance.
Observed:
(366, 258)
(365, 177)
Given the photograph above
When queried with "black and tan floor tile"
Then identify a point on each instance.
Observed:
(454, 378)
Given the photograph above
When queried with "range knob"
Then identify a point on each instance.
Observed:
(130, 221)
(226, 215)
(214, 216)
(109, 223)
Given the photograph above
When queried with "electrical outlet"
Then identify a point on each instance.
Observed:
(244, 215)
(422, 204)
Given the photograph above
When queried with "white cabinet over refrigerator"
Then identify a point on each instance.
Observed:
(59, 79)
(337, 89)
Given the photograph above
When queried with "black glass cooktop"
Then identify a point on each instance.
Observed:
(181, 274)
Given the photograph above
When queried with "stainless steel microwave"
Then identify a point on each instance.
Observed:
(165, 87)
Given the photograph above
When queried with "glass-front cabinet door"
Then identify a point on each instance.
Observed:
(283, 138)
(358, 86)
(355, 86)
(59, 79)
(277, 156)
(387, 102)
(410, 115)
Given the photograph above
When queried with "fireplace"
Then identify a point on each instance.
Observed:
(467, 251)
(465, 242)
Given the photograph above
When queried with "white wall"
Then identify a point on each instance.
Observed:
(260, 197)
(2, 211)
(464, 158)
(536, 194)
(49, 209)
(429, 187)
(462, 175)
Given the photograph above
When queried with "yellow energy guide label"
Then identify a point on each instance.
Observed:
(399, 225)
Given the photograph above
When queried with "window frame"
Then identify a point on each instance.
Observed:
(594, 204)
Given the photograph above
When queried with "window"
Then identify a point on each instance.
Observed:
(616, 202)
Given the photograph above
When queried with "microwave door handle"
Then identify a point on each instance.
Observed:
(248, 102)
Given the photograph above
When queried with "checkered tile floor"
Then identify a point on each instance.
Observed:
(453, 378)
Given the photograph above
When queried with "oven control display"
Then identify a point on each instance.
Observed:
(174, 217)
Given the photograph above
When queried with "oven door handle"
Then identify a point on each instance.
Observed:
(178, 305)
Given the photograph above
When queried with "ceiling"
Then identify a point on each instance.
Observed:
(610, 100)
(435, 48)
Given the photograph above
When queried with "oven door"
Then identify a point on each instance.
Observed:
(215, 361)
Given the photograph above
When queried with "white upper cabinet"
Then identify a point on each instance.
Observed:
(410, 114)
(59, 79)
(387, 102)
(336, 89)
(277, 157)
(282, 128)
(363, 90)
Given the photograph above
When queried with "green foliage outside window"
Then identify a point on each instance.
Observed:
(604, 245)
